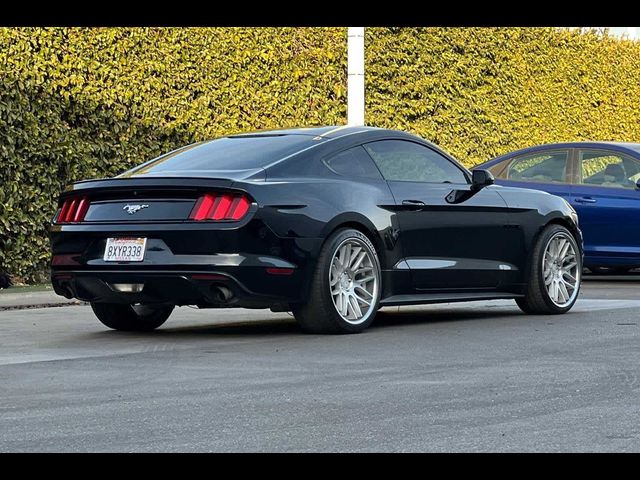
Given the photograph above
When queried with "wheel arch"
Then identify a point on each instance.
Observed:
(568, 224)
(554, 220)
(363, 225)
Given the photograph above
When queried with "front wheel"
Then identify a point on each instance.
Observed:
(345, 288)
(554, 274)
(131, 318)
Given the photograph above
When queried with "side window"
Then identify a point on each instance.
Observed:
(354, 162)
(406, 161)
(544, 167)
(608, 169)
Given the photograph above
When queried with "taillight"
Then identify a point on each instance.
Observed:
(73, 210)
(220, 206)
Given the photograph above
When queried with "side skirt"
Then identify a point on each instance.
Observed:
(424, 298)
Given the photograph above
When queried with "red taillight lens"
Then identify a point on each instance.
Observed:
(66, 259)
(280, 271)
(221, 206)
(73, 210)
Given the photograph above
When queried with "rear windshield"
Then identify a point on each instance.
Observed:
(228, 153)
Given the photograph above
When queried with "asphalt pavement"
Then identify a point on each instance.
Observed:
(470, 377)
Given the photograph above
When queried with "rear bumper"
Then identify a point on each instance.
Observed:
(214, 288)
(260, 268)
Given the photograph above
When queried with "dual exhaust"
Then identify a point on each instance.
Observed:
(220, 293)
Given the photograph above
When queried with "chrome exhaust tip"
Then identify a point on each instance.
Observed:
(127, 287)
(221, 294)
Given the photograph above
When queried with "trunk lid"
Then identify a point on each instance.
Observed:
(143, 199)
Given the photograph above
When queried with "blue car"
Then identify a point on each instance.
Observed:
(601, 180)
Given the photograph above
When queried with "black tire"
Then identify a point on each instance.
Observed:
(127, 318)
(537, 300)
(319, 314)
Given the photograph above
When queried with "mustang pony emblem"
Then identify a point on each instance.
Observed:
(131, 209)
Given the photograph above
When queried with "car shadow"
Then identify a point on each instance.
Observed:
(288, 326)
(254, 328)
(426, 316)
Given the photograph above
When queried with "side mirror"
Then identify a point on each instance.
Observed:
(481, 179)
(638, 184)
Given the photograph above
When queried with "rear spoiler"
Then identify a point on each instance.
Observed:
(211, 180)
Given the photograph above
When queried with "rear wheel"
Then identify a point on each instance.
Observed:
(345, 288)
(555, 273)
(131, 318)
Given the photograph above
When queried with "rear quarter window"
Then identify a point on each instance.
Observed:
(354, 162)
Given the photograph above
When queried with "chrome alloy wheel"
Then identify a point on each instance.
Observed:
(353, 280)
(561, 270)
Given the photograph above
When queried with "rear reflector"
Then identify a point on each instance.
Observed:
(59, 276)
(224, 206)
(66, 259)
(280, 271)
(208, 276)
(73, 210)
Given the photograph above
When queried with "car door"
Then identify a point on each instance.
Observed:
(545, 169)
(608, 203)
(452, 237)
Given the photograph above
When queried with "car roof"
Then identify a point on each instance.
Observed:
(591, 144)
(629, 147)
(332, 131)
(324, 134)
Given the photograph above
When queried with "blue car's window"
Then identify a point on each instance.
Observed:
(608, 169)
(354, 162)
(405, 161)
(228, 153)
(542, 167)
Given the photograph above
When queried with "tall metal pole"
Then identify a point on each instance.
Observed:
(355, 77)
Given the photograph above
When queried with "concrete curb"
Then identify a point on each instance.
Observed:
(17, 300)
(41, 305)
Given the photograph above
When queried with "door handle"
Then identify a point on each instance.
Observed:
(585, 200)
(414, 204)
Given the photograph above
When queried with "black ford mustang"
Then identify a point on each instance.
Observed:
(330, 223)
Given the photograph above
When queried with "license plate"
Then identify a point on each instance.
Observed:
(125, 249)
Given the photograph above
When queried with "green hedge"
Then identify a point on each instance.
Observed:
(480, 92)
(78, 103)
(89, 102)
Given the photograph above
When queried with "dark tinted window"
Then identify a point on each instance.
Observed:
(412, 162)
(229, 153)
(354, 162)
